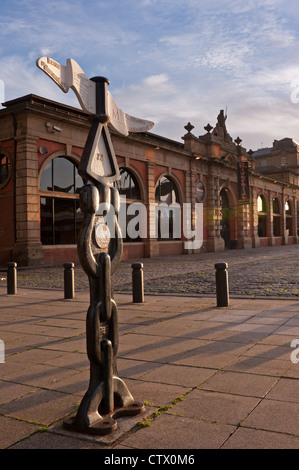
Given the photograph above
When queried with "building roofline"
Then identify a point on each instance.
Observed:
(32, 99)
(47, 104)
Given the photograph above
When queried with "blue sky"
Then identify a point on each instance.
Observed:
(169, 61)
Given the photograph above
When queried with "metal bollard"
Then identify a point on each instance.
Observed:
(222, 289)
(69, 281)
(11, 278)
(137, 282)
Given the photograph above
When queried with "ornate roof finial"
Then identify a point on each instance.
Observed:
(238, 141)
(208, 128)
(189, 127)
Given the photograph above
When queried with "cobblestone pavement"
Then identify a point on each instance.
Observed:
(271, 271)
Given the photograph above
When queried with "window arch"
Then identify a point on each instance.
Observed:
(61, 175)
(127, 185)
(288, 207)
(166, 191)
(276, 206)
(168, 221)
(129, 192)
(5, 169)
(262, 215)
(276, 217)
(261, 204)
(60, 213)
(200, 191)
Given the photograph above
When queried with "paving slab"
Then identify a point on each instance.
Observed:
(179, 432)
(217, 407)
(275, 415)
(239, 384)
(13, 431)
(42, 407)
(210, 378)
(250, 439)
(53, 441)
(173, 374)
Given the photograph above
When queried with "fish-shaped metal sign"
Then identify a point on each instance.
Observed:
(72, 76)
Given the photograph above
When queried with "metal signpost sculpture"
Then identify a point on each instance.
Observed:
(99, 250)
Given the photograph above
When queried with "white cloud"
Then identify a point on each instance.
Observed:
(170, 61)
(156, 80)
(21, 77)
(47, 51)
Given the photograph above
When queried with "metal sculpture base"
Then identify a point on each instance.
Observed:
(107, 397)
(106, 400)
(102, 425)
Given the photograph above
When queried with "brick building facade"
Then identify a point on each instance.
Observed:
(41, 143)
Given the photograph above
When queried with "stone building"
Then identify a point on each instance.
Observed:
(281, 161)
(41, 143)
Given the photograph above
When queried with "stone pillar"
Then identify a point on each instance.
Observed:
(296, 235)
(254, 218)
(244, 240)
(283, 214)
(190, 199)
(151, 244)
(271, 233)
(215, 242)
(28, 248)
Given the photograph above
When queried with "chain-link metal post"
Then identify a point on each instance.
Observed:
(99, 245)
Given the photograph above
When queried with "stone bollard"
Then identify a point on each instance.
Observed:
(222, 289)
(137, 282)
(69, 281)
(11, 278)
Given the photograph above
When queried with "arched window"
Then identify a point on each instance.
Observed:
(129, 191)
(168, 219)
(261, 204)
(5, 169)
(166, 191)
(262, 215)
(289, 217)
(276, 217)
(128, 186)
(200, 191)
(60, 212)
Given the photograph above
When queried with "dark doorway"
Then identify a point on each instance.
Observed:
(225, 221)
